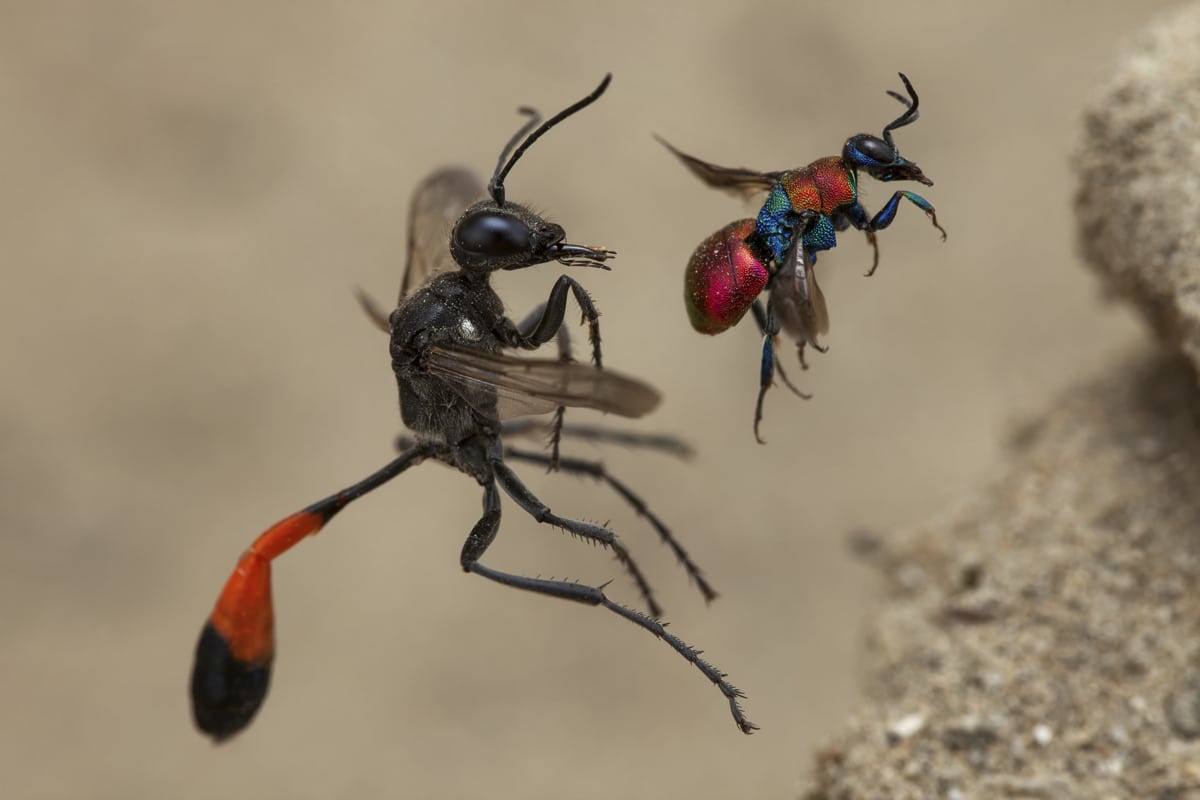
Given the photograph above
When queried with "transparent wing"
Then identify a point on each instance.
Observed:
(524, 386)
(738, 181)
(820, 311)
(437, 203)
(797, 299)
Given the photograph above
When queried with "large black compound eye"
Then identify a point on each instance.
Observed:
(493, 235)
(869, 151)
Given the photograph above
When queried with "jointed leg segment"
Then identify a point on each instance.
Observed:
(595, 469)
(484, 533)
(523, 497)
(535, 332)
(887, 214)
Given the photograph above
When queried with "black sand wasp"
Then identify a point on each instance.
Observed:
(458, 390)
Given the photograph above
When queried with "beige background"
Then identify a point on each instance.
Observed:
(188, 194)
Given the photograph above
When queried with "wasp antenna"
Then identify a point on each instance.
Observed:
(379, 318)
(496, 184)
(910, 114)
(534, 119)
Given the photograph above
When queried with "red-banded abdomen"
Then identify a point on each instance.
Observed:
(722, 278)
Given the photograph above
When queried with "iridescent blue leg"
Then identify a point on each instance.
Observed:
(760, 318)
(765, 371)
(769, 364)
(885, 215)
(856, 215)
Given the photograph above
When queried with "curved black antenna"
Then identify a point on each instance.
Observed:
(909, 116)
(534, 119)
(496, 184)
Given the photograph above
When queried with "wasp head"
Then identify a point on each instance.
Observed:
(879, 156)
(881, 160)
(496, 234)
(490, 236)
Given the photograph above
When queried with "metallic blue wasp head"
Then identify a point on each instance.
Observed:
(879, 156)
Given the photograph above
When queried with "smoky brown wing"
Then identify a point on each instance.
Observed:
(437, 203)
(738, 181)
(525, 386)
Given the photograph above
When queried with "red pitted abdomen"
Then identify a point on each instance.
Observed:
(722, 279)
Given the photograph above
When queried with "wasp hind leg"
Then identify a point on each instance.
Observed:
(484, 533)
(526, 499)
(597, 470)
(770, 366)
(664, 443)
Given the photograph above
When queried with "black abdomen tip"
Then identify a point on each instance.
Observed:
(226, 692)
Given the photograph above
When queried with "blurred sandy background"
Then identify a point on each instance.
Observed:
(189, 192)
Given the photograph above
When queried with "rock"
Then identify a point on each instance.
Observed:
(1081, 687)
(1183, 709)
(905, 727)
(1139, 198)
(1043, 734)
(1049, 628)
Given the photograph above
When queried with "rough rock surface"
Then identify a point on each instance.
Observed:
(1042, 640)
(1139, 167)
